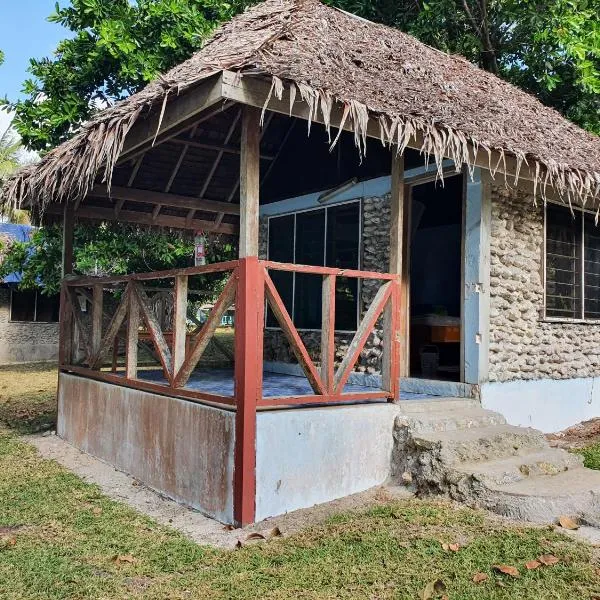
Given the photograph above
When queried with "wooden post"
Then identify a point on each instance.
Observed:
(249, 323)
(97, 297)
(179, 322)
(249, 181)
(328, 333)
(395, 325)
(131, 345)
(67, 248)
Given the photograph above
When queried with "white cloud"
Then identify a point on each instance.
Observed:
(26, 156)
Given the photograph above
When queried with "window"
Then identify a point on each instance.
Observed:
(323, 237)
(33, 307)
(572, 264)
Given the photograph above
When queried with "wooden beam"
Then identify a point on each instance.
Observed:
(215, 147)
(67, 243)
(254, 91)
(225, 300)
(293, 337)
(131, 344)
(163, 199)
(107, 214)
(179, 322)
(328, 333)
(249, 182)
(179, 115)
(362, 334)
(237, 183)
(217, 161)
(97, 312)
(395, 325)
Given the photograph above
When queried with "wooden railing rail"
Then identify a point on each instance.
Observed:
(328, 382)
(177, 354)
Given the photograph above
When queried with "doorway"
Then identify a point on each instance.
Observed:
(436, 279)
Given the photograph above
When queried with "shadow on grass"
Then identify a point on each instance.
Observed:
(28, 397)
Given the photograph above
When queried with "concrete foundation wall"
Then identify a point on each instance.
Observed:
(547, 404)
(183, 449)
(25, 342)
(308, 456)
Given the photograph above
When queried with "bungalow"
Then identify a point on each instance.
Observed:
(417, 249)
(28, 318)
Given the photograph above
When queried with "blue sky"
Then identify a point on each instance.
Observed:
(24, 33)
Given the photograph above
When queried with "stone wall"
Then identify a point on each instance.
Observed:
(522, 344)
(374, 257)
(25, 342)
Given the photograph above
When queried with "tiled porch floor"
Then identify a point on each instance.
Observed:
(220, 381)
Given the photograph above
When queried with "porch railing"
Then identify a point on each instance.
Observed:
(89, 336)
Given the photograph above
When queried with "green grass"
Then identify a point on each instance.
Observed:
(591, 456)
(59, 538)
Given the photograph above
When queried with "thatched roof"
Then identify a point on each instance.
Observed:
(376, 73)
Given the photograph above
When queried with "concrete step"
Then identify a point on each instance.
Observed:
(544, 498)
(480, 444)
(549, 461)
(437, 404)
(439, 421)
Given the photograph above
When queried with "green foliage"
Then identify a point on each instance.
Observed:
(10, 147)
(108, 249)
(118, 46)
(591, 456)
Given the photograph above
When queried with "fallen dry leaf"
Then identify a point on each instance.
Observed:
(568, 523)
(548, 559)
(507, 570)
(532, 564)
(275, 532)
(97, 510)
(254, 536)
(433, 589)
(480, 577)
(454, 547)
(228, 527)
(125, 558)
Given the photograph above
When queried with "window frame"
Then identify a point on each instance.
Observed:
(326, 207)
(35, 310)
(553, 319)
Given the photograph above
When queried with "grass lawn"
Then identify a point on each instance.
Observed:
(60, 538)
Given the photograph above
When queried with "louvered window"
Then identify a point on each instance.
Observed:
(572, 264)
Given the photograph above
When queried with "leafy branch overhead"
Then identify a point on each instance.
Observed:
(104, 249)
(119, 46)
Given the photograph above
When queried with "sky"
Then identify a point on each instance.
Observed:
(24, 33)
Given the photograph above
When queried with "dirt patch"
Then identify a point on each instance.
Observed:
(578, 436)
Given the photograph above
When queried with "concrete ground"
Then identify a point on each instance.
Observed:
(201, 529)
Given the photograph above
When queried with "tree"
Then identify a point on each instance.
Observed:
(106, 249)
(118, 46)
(551, 49)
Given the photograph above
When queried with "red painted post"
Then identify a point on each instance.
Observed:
(249, 324)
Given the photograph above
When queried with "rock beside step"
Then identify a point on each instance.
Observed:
(472, 455)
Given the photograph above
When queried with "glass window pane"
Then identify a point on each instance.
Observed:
(281, 249)
(563, 263)
(591, 276)
(47, 308)
(281, 239)
(343, 249)
(22, 306)
(310, 250)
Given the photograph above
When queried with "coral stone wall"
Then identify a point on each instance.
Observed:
(374, 257)
(25, 342)
(522, 344)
